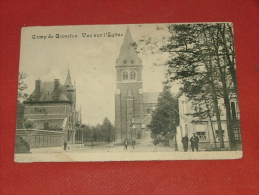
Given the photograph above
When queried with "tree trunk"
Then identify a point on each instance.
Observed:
(223, 76)
(214, 95)
(231, 63)
(216, 107)
(212, 129)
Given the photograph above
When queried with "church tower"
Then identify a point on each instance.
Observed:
(129, 95)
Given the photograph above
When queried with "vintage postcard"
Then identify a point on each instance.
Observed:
(128, 93)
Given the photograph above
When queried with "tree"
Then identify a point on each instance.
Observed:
(165, 117)
(201, 56)
(204, 109)
(20, 116)
(104, 132)
(191, 65)
(22, 86)
(107, 130)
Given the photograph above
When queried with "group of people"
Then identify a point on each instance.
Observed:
(194, 142)
(126, 143)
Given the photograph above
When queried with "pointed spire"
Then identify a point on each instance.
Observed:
(128, 38)
(68, 82)
(128, 53)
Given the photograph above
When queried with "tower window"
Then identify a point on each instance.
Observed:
(132, 75)
(125, 61)
(132, 61)
(125, 76)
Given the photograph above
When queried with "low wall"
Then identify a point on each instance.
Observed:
(41, 138)
(74, 146)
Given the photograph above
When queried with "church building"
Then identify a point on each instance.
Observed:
(133, 107)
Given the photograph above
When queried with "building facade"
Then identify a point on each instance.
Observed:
(51, 110)
(133, 107)
(206, 129)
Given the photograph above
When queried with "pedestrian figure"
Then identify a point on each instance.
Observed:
(194, 142)
(133, 144)
(65, 145)
(155, 142)
(92, 143)
(125, 144)
(185, 141)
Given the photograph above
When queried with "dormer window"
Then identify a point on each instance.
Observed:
(125, 76)
(132, 75)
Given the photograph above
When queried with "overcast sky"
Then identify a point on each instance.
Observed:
(91, 62)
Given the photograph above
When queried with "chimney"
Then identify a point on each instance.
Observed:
(56, 84)
(37, 89)
(56, 89)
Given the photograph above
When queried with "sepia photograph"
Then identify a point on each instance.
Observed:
(131, 92)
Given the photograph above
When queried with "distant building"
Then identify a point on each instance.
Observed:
(51, 112)
(133, 107)
(205, 129)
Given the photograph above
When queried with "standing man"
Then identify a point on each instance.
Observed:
(125, 144)
(194, 142)
(185, 141)
(65, 145)
(133, 144)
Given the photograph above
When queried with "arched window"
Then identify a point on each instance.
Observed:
(125, 76)
(132, 75)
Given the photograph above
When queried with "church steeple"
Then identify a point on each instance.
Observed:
(129, 96)
(128, 54)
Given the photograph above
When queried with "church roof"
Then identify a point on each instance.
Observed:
(128, 53)
(147, 120)
(47, 92)
(150, 97)
(52, 91)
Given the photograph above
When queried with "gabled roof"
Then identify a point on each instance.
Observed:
(47, 92)
(147, 120)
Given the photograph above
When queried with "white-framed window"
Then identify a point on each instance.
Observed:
(201, 130)
(235, 110)
(202, 136)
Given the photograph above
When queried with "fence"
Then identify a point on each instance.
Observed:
(41, 138)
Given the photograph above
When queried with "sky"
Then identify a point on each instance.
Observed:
(91, 61)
